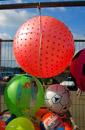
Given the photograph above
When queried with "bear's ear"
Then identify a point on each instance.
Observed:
(83, 70)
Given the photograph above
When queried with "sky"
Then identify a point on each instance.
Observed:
(11, 20)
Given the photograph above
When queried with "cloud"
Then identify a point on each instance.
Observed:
(55, 0)
(79, 36)
(63, 9)
(13, 18)
(5, 36)
(18, 1)
(79, 45)
(51, 8)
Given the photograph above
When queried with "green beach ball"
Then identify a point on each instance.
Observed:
(24, 95)
(20, 123)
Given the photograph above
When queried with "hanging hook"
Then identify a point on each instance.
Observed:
(39, 8)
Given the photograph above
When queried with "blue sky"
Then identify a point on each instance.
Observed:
(11, 20)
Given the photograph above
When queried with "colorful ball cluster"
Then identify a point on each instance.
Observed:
(43, 46)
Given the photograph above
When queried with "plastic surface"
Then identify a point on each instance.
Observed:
(77, 69)
(67, 127)
(37, 128)
(51, 121)
(2, 125)
(43, 46)
(20, 123)
(24, 95)
(10, 118)
(36, 118)
(58, 98)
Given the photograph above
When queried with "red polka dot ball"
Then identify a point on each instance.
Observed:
(77, 69)
(43, 46)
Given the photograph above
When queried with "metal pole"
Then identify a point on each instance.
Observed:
(0, 59)
(0, 75)
(42, 5)
(75, 40)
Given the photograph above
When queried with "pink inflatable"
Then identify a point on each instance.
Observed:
(43, 46)
(77, 69)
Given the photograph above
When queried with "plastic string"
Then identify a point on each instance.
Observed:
(40, 39)
(40, 42)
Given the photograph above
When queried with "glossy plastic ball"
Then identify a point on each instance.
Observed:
(58, 98)
(24, 95)
(77, 69)
(43, 46)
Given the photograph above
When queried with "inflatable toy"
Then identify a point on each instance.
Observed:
(43, 46)
(77, 69)
(58, 98)
(20, 123)
(10, 118)
(66, 127)
(24, 95)
(51, 121)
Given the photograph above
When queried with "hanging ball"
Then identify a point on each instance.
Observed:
(24, 95)
(77, 69)
(58, 98)
(51, 121)
(43, 46)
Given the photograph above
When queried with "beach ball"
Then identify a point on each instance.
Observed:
(77, 69)
(24, 95)
(51, 121)
(58, 98)
(43, 46)
(20, 123)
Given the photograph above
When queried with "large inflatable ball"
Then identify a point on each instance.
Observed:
(58, 98)
(20, 123)
(77, 69)
(24, 95)
(51, 121)
(43, 46)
